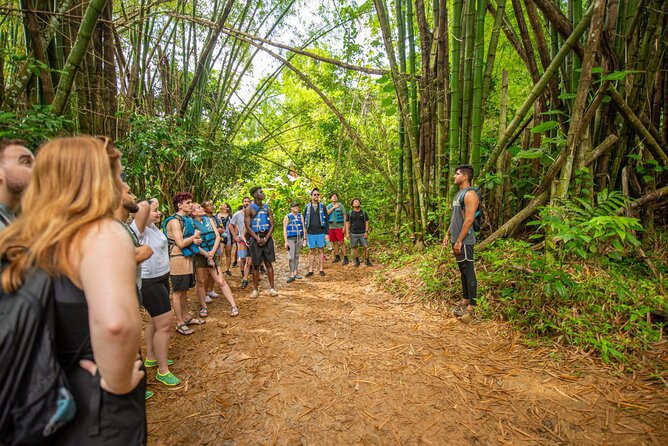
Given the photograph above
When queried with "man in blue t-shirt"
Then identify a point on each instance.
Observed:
(315, 218)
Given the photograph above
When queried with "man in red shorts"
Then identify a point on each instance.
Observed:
(337, 221)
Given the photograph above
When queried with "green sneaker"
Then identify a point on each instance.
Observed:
(149, 395)
(167, 379)
(148, 363)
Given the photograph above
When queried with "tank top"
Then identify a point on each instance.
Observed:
(457, 221)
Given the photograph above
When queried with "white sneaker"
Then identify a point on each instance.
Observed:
(255, 294)
(213, 294)
(273, 292)
(207, 299)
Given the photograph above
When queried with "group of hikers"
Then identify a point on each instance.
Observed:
(105, 250)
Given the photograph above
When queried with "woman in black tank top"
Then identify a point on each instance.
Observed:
(67, 229)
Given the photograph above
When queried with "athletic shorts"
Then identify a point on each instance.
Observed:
(155, 295)
(315, 240)
(263, 253)
(199, 261)
(242, 250)
(466, 254)
(182, 282)
(336, 235)
(358, 240)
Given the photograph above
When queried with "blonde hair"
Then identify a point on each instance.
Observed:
(75, 184)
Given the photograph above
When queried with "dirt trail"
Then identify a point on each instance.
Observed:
(335, 361)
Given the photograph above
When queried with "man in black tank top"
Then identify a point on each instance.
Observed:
(461, 233)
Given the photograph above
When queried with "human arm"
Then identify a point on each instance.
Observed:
(106, 272)
(330, 208)
(366, 226)
(247, 223)
(285, 231)
(142, 216)
(272, 223)
(174, 227)
(217, 242)
(142, 253)
(446, 238)
(471, 205)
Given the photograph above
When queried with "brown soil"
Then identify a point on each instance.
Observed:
(336, 361)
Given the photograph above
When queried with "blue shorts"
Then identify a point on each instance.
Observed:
(315, 240)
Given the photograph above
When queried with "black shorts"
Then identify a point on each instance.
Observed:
(182, 282)
(155, 295)
(262, 253)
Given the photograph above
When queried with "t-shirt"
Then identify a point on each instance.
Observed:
(333, 224)
(314, 225)
(457, 221)
(158, 264)
(357, 221)
(238, 220)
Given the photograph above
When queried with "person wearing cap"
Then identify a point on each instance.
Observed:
(293, 235)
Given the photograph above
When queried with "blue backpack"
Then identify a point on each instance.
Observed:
(188, 229)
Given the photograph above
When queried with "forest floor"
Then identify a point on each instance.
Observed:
(334, 360)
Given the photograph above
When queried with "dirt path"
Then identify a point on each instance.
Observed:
(335, 361)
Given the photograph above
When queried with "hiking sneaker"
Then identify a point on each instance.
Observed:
(167, 379)
(357, 261)
(298, 276)
(234, 312)
(244, 284)
(309, 274)
(368, 262)
(212, 294)
(345, 260)
(337, 258)
(148, 363)
(291, 279)
(208, 299)
(255, 294)
(148, 395)
(273, 292)
(459, 310)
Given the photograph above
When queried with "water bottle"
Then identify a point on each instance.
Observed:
(328, 244)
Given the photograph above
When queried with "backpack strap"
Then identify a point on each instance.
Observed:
(462, 196)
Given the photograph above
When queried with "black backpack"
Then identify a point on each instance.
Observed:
(477, 221)
(35, 400)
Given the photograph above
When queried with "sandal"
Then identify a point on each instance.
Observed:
(195, 321)
(203, 312)
(184, 329)
(234, 312)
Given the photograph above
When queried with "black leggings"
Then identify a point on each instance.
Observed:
(467, 270)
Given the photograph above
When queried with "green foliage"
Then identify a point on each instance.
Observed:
(35, 125)
(600, 308)
(583, 229)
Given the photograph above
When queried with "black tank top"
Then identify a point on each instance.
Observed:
(72, 331)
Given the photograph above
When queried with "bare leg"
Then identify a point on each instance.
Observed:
(224, 287)
(149, 334)
(180, 306)
(343, 248)
(247, 267)
(228, 257)
(322, 258)
(201, 275)
(160, 326)
(256, 276)
(311, 259)
(270, 273)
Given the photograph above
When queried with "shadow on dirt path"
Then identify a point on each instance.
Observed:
(335, 361)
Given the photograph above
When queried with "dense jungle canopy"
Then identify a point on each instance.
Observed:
(554, 102)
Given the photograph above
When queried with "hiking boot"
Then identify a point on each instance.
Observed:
(167, 379)
(337, 258)
(345, 260)
(357, 261)
(368, 262)
(244, 284)
(460, 309)
(254, 294)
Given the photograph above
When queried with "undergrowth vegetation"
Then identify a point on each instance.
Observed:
(603, 304)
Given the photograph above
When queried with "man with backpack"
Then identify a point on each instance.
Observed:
(462, 236)
(15, 172)
(182, 238)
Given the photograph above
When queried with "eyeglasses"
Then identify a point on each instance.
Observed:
(316, 195)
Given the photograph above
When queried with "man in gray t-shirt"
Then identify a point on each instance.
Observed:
(237, 231)
(460, 232)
